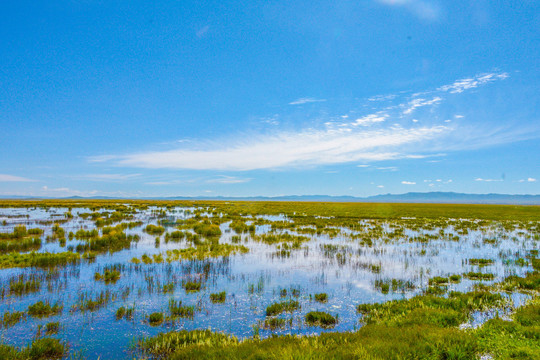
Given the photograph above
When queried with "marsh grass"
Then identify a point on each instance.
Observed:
(218, 298)
(283, 306)
(24, 284)
(178, 311)
(42, 309)
(34, 259)
(322, 319)
(12, 318)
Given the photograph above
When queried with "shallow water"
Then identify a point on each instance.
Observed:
(341, 266)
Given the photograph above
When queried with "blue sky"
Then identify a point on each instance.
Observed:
(241, 98)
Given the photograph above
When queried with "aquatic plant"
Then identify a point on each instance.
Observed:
(24, 284)
(321, 297)
(319, 318)
(478, 276)
(191, 286)
(34, 259)
(154, 229)
(177, 310)
(155, 318)
(52, 328)
(12, 318)
(44, 309)
(218, 297)
(279, 307)
(111, 275)
(124, 312)
(166, 344)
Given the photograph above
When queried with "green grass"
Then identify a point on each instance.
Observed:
(177, 310)
(284, 306)
(218, 297)
(12, 318)
(108, 276)
(41, 260)
(478, 276)
(319, 318)
(155, 319)
(321, 297)
(24, 284)
(44, 309)
(192, 286)
(39, 349)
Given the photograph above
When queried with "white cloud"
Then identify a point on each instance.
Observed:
(387, 168)
(340, 140)
(108, 177)
(13, 178)
(288, 150)
(488, 180)
(362, 166)
(382, 97)
(223, 179)
(408, 182)
(425, 10)
(470, 83)
(528, 180)
(380, 186)
(416, 103)
(306, 100)
(202, 31)
(370, 119)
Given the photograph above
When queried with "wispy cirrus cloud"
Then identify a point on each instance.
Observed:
(108, 177)
(287, 150)
(306, 100)
(488, 180)
(370, 119)
(13, 178)
(224, 179)
(419, 102)
(461, 85)
(424, 9)
(386, 134)
(528, 180)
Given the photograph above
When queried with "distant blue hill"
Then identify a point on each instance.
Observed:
(411, 197)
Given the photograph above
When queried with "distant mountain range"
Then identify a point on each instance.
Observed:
(410, 197)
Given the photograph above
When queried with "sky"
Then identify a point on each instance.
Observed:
(246, 98)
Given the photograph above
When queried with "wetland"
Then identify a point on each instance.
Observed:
(215, 279)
